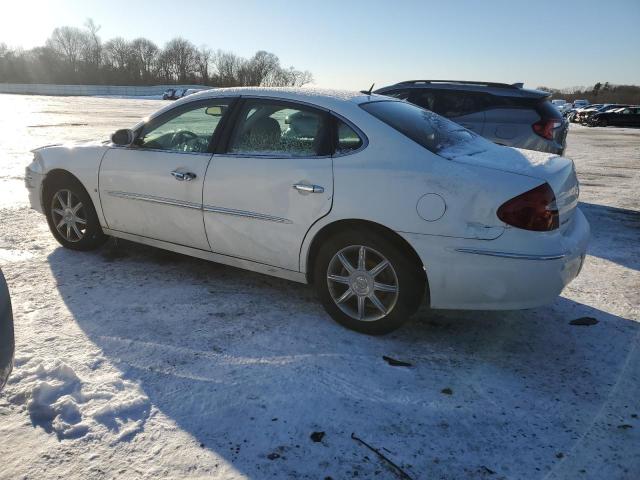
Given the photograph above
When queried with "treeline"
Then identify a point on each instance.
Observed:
(599, 93)
(79, 56)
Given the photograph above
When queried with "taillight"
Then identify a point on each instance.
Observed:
(533, 210)
(545, 127)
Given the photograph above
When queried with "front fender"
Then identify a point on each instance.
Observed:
(81, 161)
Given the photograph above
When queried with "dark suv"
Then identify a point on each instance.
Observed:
(505, 114)
(6, 332)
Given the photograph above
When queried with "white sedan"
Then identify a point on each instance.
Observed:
(376, 202)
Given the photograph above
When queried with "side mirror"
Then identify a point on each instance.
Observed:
(123, 137)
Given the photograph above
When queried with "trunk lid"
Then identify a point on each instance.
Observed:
(557, 171)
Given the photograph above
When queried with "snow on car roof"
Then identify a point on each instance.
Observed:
(340, 101)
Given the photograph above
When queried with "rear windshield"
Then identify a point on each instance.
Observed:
(433, 132)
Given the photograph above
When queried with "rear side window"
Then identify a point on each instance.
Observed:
(426, 128)
(455, 103)
(348, 140)
(280, 129)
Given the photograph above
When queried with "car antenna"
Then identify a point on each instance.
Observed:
(368, 92)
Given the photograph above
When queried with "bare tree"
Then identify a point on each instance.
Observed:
(203, 60)
(119, 53)
(92, 52)
(145, 53)
(259, 68)
(181, 54)
(79, 56)
(289, 78)
(228, 66)
(68, 42)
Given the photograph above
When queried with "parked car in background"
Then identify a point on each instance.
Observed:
(505, 114)
(169, 94)
(558, 102)
(373, 200)
(575, 113)
(6, 333)
(580, 103)
(586, 114)
(623, 117)
(176, 93)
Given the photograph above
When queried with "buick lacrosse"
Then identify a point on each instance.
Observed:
(378, 203)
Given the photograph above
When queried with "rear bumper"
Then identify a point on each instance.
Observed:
(483, 275)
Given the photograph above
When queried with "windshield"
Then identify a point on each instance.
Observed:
(433, 132)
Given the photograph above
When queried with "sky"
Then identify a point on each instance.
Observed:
(354, 43)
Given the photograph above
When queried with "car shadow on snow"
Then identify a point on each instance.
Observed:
(250, 366)
(615, 234)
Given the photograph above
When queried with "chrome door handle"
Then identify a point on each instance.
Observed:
(303, 187)
(186, 176)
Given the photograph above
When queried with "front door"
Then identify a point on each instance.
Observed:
(272, 182)
(154, 187)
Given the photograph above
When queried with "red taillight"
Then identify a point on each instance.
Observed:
(545, 127)
(533, 210)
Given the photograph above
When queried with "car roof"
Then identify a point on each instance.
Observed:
(494, 88)
(340, 101)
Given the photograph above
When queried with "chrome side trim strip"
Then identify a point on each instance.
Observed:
(517, 256)
(154, 199)
(197, 206)
(243, 213)
(212, 256)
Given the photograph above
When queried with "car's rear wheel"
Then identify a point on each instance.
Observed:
(71, 215)
(366, 283)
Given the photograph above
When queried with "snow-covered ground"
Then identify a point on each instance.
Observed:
(133, 362)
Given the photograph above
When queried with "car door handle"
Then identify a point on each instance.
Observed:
(183, 176)
(303, 187)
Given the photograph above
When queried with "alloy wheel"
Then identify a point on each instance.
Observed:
(362, 283)
(69, 216)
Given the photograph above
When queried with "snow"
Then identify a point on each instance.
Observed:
(133, 362)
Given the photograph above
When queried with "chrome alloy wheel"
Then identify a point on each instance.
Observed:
(68, 215)
(362, 283)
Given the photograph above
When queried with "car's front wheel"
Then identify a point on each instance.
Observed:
(367, 283)
(71, 215)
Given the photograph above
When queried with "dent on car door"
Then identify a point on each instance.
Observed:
(154, 187)
(270, 184)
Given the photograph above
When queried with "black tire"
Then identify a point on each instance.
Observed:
(408, 276)
(92, 235)
(603, 122)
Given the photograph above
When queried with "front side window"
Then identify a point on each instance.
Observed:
(433, 132)
(191, 130)
(278, 129)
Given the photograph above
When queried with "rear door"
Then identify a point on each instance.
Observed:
(153, 188)
(270, 182)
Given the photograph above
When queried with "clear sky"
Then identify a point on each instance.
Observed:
(353, 43)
